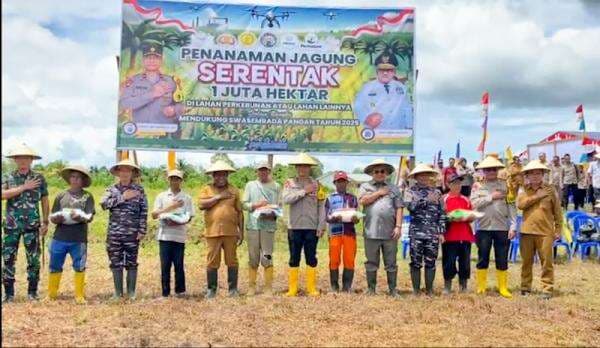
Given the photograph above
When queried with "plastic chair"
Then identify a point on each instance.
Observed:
(405, 240)
(584, 247)
(570, 215)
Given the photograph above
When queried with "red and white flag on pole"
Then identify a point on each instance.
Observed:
(485, 102)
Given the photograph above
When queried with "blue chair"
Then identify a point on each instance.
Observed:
(570, 215)
(584, 247)
(562, 243)
(405, 241)
(513, 249)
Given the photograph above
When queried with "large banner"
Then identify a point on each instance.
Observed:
(216, 77)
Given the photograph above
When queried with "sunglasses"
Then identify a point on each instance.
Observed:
(380, 171)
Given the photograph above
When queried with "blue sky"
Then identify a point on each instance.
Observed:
(538, 60)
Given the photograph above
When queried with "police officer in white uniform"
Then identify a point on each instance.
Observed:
(383, 104)
(149, 95)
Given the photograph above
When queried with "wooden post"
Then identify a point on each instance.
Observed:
(270, 159)
(119, 153)
(135, 160)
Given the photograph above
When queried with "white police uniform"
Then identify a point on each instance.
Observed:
(390, 100)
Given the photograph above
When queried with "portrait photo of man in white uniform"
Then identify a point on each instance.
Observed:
(383, 104)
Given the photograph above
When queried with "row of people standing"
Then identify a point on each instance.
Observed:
(310, 212)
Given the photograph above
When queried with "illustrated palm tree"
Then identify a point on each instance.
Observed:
(401, 48)
(351, 44)
(370, 47)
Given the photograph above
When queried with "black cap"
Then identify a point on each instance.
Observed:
(454, 177)
(386, 61)
(152, 49)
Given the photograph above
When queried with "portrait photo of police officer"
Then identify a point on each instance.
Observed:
(383, 103)
(149, 96)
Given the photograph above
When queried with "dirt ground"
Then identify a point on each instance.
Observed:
(572, 318)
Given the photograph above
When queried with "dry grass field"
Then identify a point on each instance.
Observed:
(572, 318)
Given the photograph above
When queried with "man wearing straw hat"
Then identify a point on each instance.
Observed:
(224, 221)
(172, 233)
(23, 189)
(427, 226)
(593, 173)
(496, 227)
(258, 195)
(128, 211)
(382, 204)
(306, 223)
(71, 238)
(542, 224)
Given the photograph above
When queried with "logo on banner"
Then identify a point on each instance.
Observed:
(290, 40)
(367, 134)
(226, 39)
(311, 40)
(247, 39)
(268, 40)
(129, 128)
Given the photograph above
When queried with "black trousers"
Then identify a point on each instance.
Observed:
(303, 239)
(579, 199)
(501, 243)
(569, 190)
(171, 253)
(453, 253)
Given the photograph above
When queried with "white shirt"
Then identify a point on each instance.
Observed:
(176, 233)
(391, 102)
(594, 171)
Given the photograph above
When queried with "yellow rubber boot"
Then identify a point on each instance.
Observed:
(252, 274)
(292, 282)
(53, 284)
(502, 277)
(268, 280)
(311, 281)
(481, 279)
(79, 279)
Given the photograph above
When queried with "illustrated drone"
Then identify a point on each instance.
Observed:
(330, 14)
(270, 18)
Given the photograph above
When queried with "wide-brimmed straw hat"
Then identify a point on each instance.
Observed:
(379, 162)
(422, 168)
(220, 166)
(114, 170)
(303, 159)
(535, 165)
(262, 165)
(66, 173)
(176, 173)
(597, 155)
(23, 150)
(490, 162)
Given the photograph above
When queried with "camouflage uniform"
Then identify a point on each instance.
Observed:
(127, 220)
(428, 222)
(22, 218)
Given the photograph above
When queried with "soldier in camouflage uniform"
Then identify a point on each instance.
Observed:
(23, 189)
(427, 225)
(128, 208)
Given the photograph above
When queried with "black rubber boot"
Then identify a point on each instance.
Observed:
(9, 293)
(131, 282)
(334, 277)
(371, 282)
(118, 283)
(462, 283)
(347, 277)
(32, 290)
(429, 277)
(212, 280)
(415, 277)
(447, 287)
(391, 279)
(232, 281)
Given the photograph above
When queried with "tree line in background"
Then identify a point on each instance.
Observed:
(155, 177)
